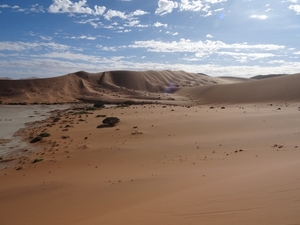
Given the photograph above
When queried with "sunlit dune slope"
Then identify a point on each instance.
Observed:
(276, 89)
(173, 87)
(111, 86)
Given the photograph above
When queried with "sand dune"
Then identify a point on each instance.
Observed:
(111, 86)
(176, 87)
(277, 89)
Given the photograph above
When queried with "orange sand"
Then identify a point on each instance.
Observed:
(238, 165)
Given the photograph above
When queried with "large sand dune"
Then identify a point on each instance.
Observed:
(276, 89)
(151, 86)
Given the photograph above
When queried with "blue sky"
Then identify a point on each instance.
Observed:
(45, 38)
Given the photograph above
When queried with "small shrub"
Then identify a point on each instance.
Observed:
(17, 103)
(98, 105)
(101, 116)
(128, 103)
(91, 108)
(56, 119)
(123, 105)
(82, 112)
(36, 139)
(65, 137)
(111, 121)
(44, 134)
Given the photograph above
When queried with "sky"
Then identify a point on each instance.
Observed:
(242, 38)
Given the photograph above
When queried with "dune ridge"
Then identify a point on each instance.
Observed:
(276, 89)
(176, 87)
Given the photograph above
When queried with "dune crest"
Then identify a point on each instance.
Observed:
(176, 87)
(276, 89)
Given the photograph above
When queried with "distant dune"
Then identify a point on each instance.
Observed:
(267, 76)
(176, 87)
(277, 89)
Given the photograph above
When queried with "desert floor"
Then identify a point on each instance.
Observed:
(160, 165)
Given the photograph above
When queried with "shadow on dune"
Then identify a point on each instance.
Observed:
(176, 87)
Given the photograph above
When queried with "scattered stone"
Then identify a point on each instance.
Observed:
(136, 132)
(37, 160)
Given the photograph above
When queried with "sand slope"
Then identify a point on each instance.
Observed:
(112, 86)
(160, 165)
(276, 89)
(173, 87)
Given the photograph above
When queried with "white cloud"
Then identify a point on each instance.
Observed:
(209, 36)
(247, 56)
(276, 62)
(172, 34)
(208, 14)
(187, 5)
(93, 22)
(296, 8)
(259, 17)
(84, 37)
(67, 6)
(219, 10)
(68, 56)
(22, 46)
(10, 7)
(33, 8)
(133, 23)
(296, 53)
(158, 24)
(186, 45)
(165, 7)
(215, 1)
(99, 10)
(139, 13)
(37, 8)
(114, 13)
(44, 38)
(105, 48)
(124, 31)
